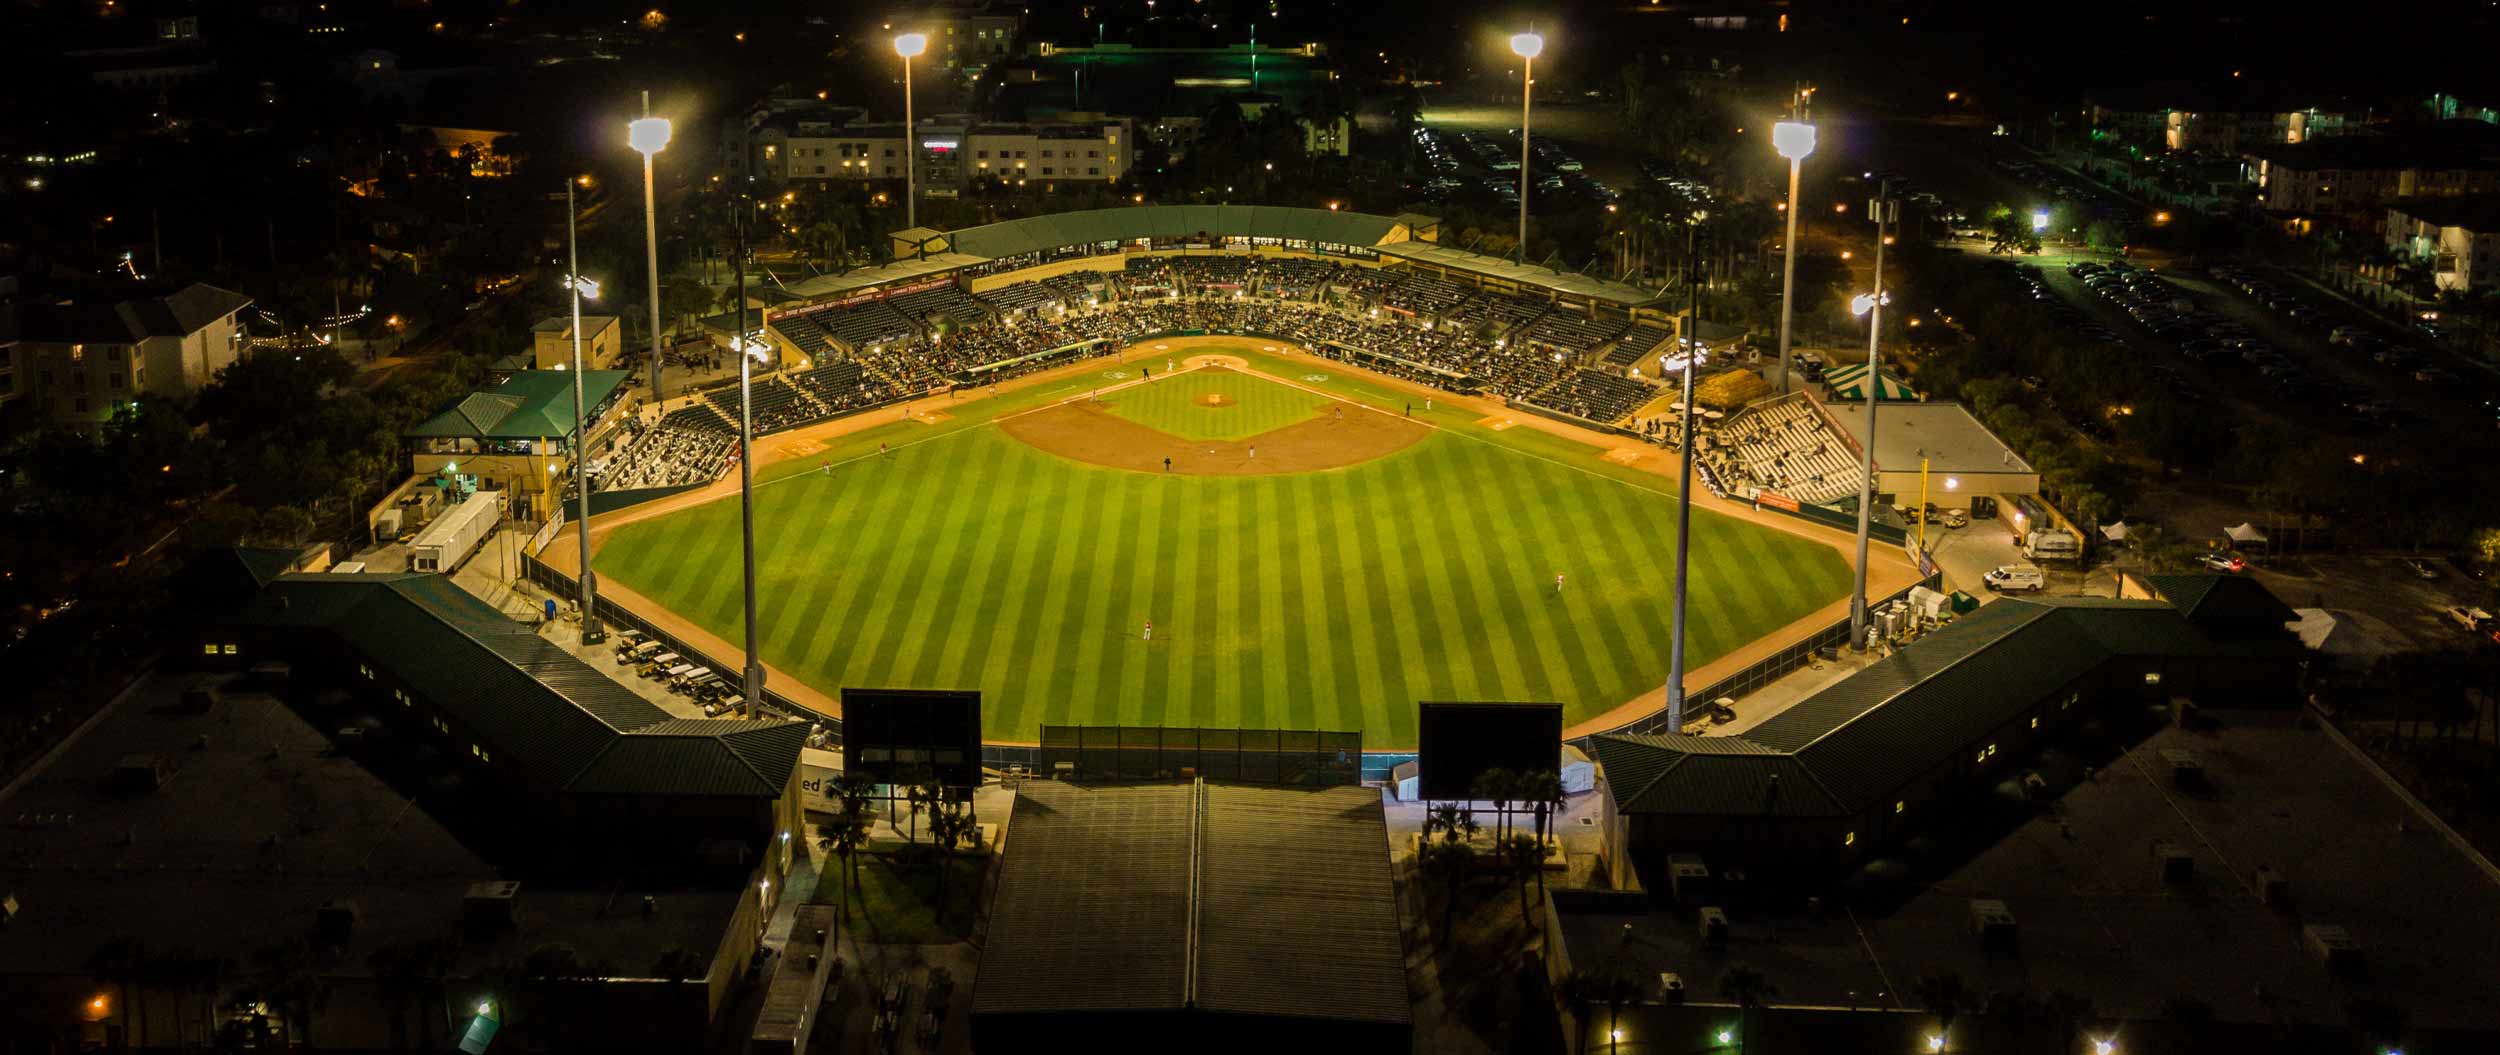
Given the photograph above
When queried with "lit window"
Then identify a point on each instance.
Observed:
(1900, 805)
(208, 650)
(2152, 677)
(231, 650)
(2035, 723)
(1850, 839)
(367, 671)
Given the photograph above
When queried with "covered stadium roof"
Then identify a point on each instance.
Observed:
(1035, 234)
(532, 404)
(526, 697)
(1530, 276)
(1852, 745)
(1237, 900)
(1952, 439)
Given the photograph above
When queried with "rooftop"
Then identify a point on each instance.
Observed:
(179, 314)
(2448, 144)
(1161, 897)
(528, 698)
(2478, 213)
(1842, 750)
(531, 405)
(1955, 441)
(263, 822)
(2096, 918)
(1084, 227)
(1528, 275)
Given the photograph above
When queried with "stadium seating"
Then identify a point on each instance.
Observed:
(1786, 446)
(1636, 344)
(1600, 397)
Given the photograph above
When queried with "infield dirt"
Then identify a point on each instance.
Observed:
(1087, 431)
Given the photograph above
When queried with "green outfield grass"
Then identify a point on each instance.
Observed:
(1256, 406)
(1331, 599)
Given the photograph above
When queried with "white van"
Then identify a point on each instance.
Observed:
(2011, 578)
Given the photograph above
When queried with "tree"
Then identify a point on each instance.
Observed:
(919, 797)
(1452, 821)
(1748, 988)
(1542, 790)
(1495, 785)
(1447, 865)
(2104, 236)
(949, 823)
(2008, 232)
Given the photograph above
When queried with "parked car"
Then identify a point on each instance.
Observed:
(2421, 569)
(2224, 561)
(2015, 578)
(2466, 617)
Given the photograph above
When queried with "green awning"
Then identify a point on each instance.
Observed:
(1848, 383)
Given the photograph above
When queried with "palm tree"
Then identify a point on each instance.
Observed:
(1542, 790)
(1447, 864)
(1522, 856)
(1747, 987)
(1494, 785)
(948, 825)
(920, 796)
(1453, 821)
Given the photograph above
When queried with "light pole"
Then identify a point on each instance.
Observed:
(649, 135)
(747, 350)
(1527, 46)
(581, 287)
(908, 45)
(1684, 489)
(1884, 211)
(1794, 140)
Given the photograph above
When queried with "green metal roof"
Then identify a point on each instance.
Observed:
(1529, 276)
(2230, 601)
(1854, 744)
(526, 697)
(1846, 380)
(533, 404)
(1037, 233)
(826, 287)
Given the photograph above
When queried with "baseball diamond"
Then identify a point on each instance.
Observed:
(1313, 555)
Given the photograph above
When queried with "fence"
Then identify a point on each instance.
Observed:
(1305, 757)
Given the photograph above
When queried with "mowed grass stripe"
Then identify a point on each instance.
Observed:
(1307, 600)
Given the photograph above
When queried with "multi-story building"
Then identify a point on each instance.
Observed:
(2349, 180)
(551, 343)
(2459, 237)
(76, 361)
(955, 153)
(2189, 131)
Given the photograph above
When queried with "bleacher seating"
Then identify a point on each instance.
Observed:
(1636, 344)
(1599, 397)
(1786, 446)
(687, 447)
(1575, 332)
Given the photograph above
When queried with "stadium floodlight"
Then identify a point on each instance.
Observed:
(1935, 1042)
(907, 46)
(1527, 46)
(1866, 302)
(582, 287)
(1885, 211)
(2039, 220)
(649, 135)
(1793, 139)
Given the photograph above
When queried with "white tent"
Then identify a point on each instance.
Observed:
(2245, 533)
(2333, 634)
(2117, 532)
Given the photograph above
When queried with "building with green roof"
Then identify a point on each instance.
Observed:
(517, 437)
(1863, 763)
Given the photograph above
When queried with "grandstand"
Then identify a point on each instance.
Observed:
(1785, 446)
(1636, 344)
(1575, 333)
(1599, 397)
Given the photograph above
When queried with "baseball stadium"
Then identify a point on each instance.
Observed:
(1217, 467)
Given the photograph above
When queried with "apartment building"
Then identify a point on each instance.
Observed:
(2458, 237)
(954, 153)
(76, 361)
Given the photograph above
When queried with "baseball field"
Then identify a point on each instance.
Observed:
(1313, 550)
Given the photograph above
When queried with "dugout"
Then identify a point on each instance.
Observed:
(1194, 916)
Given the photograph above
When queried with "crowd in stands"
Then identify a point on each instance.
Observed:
(688, 446)
(1784, 445)
(1636, 344)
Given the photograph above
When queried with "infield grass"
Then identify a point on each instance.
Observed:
(1332, 599)
(1251, 405)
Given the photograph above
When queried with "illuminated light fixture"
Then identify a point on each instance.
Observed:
(1793, 139)
(1527, 45)
(911, 44)
(1935, 1042)
(1866, 302)
(2039, 220)
(648, 134)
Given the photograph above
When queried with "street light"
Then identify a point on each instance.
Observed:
(2039, 220)
(649, 135)
(1527, 46)
(1690, 337)
(1884, 211)
(907, 46)
(581, 287)
(1794, 140)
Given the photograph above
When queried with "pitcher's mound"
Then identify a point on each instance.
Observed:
(1215, 399)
